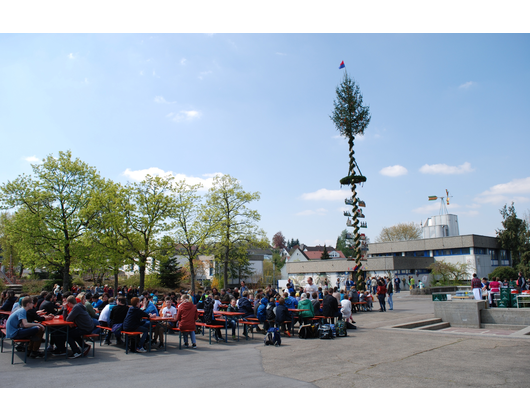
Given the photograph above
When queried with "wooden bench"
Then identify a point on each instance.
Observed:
(180, 335)
(204, 325)
(91, 338)
(14, 342)
(109, 332)
(361, 306)
(249, 323)
(127, 335)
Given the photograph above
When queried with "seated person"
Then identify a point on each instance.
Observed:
(246, 307)
(18, 327)
(148, 306)
(84, 325)
(88, 305)
(169, 311)
(330, 306)
(9, 302)
(187, 315)
(104, 317)
(134, 322)
(346, 310)
(309, 313)
(18, 304)
(96, 302)
(208, 315)
(232, 320)
(282, 314)
(216, 303)
(117, 316)
(49, 305)
(316, 304)
(354, 298)
(261, 313)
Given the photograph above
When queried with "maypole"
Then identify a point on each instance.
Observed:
(351, 118)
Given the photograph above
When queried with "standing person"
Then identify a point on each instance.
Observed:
(18, 327)
(187, 315)
(521, 283)
(310, 287)
(374, 285)
(349, 284)
(411, 281)
(397, 284)
(390, 292)
(243, 287)
(368, 284)
(494, 288)
(381, 294)
(476, 286)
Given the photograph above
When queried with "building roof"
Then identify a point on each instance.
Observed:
(472, 241)
(317, 255)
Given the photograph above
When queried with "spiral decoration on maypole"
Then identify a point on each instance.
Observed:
(351, 118)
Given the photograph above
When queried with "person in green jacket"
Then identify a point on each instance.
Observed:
(309, 312)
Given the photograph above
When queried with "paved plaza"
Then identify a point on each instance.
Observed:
(374, 355)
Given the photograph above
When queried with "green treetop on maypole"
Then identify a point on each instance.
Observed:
(351, 118)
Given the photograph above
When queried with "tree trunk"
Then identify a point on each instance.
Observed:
(192, 273)
(142, 273)
(226, 268)
(116, 282)
(66, 268)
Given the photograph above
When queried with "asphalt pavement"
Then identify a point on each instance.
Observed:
(373, 356)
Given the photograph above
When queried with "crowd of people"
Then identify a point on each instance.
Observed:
(130, 311)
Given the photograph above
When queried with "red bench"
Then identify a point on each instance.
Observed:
(202, 324)
(127, 335)
(91, 338)
(14, 342)
(180, 335)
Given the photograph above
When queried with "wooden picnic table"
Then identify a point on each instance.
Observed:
(57, 323)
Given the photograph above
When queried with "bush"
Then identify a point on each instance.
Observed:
(34, 287)
(502, 273)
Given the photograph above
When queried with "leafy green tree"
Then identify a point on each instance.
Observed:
(55, 207)
(400, 232)
(145, 212)
(344, 244)
(351, 119)
(325, 254)
(514, 236)
(170, 274)
(446, 273)
(195, 224)
(508, 273)
(10, 257)
(237, 223)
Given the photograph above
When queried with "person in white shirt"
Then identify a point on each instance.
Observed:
(216, 303)
(169, 311)
(346, 310)
(310, 287)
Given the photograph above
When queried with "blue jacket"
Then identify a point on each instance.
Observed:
(291, 302)
(262, 310)
(245, 306)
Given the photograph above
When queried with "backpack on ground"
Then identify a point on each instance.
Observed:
(340, 328)
(350, 326)
(272, 337)
(308, 331)
(325, 332)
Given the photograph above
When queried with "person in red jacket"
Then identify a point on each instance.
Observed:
(186, 316)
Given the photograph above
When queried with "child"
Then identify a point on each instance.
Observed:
(282, 315)
(231, 320)
(270, 314)
(186, 316)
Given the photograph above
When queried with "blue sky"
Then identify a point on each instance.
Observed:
(449, 111)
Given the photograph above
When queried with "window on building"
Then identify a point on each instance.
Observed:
(494, 254)
(480, 251)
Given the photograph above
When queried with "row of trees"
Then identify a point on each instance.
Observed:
(66, 216)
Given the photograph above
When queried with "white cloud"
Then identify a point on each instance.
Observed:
(86, 81)
(161, 100)
(511, 191)
(71, 56)
(183, 61)
(204, 73)
(326, 195)
(466, 85)
(442, 168)
(206, 180)
(184, 116)
(317, 212)
(141, 72)
(155, 75)
(434, 208)
(31, 159)
(396, 170)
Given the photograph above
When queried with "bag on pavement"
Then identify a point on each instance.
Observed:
(272, 337)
